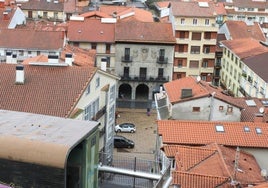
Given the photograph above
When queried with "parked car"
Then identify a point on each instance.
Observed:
(125, 127)
(123, 142)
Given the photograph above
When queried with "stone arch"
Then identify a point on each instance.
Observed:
(142, 92)
(125, 91)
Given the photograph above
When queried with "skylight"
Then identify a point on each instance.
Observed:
(258, 130)
(250, 102)
(246, 129)
(219, 128)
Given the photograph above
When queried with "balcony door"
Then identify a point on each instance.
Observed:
(143, 73)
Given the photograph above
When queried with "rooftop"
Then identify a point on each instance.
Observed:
(54, 90)
(40, 139)
(242, 134)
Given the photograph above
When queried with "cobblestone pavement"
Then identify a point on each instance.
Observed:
(145, 136)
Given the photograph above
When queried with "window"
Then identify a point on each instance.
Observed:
(160, 72)
(108, 48)
(94, 46)
(194, 21)
(108, 62)
(180, 61)
(204, 64)
(55, 15)
(195, 49)
(97, 82)
(88, 89)
(126, 72)
(206, 49)
(161, 54)
(112, 93)
(221, 108)
(196, 109)
(250, 9)
(91, 110)
(194, 64)
(45, 14)
(182, 21)
(219, 128)
(143, 72)
(127, 53)
(206, 21)
(196, 36)
(229, 109)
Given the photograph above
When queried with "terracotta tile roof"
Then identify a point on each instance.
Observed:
(47, 90)
(192, 9)
(204, 132)
(239, 30)
(190, 180)
(91, 30)
(220, 9)
(263, 185)
(135, 31)
(69, 6)
(40, 58)
(96, 14)
(5, 19)
(245, 47)
(214, 160)
(43, 5)
(31, 39)
(250, 4)
(199, 90)
(162, 4)
(81, 57)
(139, 14)
(258, 64)
(251, 113)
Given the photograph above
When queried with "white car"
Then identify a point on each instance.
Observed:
(125, 127)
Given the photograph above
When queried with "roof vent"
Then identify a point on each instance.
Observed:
(186, 93)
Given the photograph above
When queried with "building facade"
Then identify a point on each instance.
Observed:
(144, 59)
(196, 33)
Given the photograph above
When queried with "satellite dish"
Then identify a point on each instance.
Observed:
(198, 78)
(261, 110)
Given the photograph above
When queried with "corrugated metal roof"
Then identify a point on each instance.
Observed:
(40, 139)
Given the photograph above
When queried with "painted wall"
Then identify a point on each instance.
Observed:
(209, 110)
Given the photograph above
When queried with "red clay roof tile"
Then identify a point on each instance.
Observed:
(47, 90)
(204, 132)
(91, 30)
(245, 47)
(135, 31)
(31, 39)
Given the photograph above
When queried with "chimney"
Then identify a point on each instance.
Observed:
(53, 59)
(19, 74)
(5, 15)
(69, 59)
(14, 58)
(8, 57)
(103, 63)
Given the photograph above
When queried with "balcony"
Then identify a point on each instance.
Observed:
(162, 60)
(144, 78)
(126, 59)
(99, 114)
